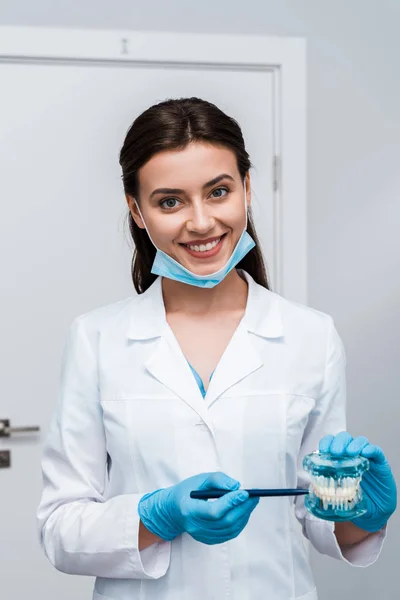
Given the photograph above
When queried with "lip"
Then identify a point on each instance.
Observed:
(199, 242)
(206, 253)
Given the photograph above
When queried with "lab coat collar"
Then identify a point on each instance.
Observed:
(240, 359)
(262, 316)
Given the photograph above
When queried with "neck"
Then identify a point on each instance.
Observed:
(228, 296)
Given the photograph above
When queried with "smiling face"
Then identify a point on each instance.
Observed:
(199, 216)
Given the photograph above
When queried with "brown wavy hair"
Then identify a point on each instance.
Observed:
(172, 125)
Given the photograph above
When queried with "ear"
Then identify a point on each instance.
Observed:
(134, 211)
(248, 190)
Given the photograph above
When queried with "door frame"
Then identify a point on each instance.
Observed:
(284, 57)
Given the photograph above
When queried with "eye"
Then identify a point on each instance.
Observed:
(169, 200)
(221, 188)
(169, 205)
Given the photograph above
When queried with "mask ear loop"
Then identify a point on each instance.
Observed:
(144, 223)
(245, 201)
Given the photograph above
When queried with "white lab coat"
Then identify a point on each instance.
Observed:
(130, 419)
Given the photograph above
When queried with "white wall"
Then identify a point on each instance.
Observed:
(354, 189)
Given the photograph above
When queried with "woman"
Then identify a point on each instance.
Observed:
(199, 381)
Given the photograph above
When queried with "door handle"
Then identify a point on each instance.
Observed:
(6, 430)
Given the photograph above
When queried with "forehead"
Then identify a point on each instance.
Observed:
(189, 168)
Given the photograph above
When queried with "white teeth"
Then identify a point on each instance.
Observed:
(204, 247)
(342, 493)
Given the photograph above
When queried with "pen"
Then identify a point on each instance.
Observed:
(207, 494)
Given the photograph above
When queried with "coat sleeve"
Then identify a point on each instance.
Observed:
(80, 531)
(329, 417)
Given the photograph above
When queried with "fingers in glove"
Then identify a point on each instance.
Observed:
(374, 453)
(217, 509)
(218, 516)
(227, 528)
(340, 443)
(357, 445)
(325, 443)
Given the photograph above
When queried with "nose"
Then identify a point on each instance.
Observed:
(200, 221)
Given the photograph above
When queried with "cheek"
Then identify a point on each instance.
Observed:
(164, 229)
(234, 217)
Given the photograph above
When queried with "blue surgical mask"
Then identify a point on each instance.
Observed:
(168, 267)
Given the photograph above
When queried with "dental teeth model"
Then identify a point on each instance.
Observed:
(335, 491)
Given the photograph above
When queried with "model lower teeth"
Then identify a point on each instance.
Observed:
(204, 247)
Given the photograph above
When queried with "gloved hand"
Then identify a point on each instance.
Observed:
(168, 512)
(378, 484)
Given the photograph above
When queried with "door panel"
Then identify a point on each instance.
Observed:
(65, 250)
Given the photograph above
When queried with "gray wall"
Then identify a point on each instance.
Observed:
(354, 189)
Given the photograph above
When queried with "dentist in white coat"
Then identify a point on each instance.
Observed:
(197, 381)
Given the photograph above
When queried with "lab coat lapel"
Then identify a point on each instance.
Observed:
(241, 357)
(167, 362)
(239, 360)
(170, 367)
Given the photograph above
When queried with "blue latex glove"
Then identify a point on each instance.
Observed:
(378, 484)
(169, 512)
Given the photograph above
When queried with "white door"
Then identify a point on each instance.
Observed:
(67, 100)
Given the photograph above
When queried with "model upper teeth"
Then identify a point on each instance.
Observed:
(204, 247)
(342, 493)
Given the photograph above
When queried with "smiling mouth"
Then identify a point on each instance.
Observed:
(204, 246)
(205, 250)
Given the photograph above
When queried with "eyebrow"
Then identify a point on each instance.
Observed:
(179, 191)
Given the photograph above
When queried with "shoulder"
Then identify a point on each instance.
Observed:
(304, 317)
(293, 316)
(100, 319)
(312, 330)
(271, 314)
(305, 330)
